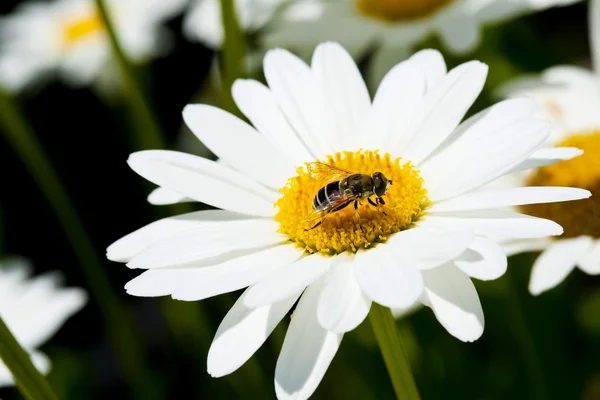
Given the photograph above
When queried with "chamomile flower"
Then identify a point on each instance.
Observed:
(68, 37)
(570, 97)
(399, 23)
(34, 309)
(423, 243)
(203, 21)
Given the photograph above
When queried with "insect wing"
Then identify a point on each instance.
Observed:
(335, 201)
(326, 173)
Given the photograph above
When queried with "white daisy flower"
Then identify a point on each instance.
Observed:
(203, 21)
(570, 97)
(68, 37)
(399, 23)
(423, 243)
(34, 310)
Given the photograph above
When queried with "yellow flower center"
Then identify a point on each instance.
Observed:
(82, 26)
(580, 217)
(400, 10)
(350, 229)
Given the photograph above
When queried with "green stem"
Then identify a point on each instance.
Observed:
(149, 134)
(525, 338)
(384, 327)
(30, 381)
(118, 327)
(233, 53)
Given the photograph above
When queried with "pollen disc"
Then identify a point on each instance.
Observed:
(350, 229)
(400, 10)
(581, 217)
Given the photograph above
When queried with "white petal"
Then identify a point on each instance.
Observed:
(509, 197)
(432, 64)
(590, 261)
(346, 100)
(242, 332)
(547, 156)
(430, 247)
(44, 309)
(443, 107)
(162, 196)
(210, 239)
(204, 180)
(484, 260)
(196, 283)
(454, 300)
(556, 262)
(500, 224)
(478, 159)
(252, 153)
(307, 350)
(291, 82)
(387, 277)
(288, 280)
(512, 247)
(394, 104)
(130, 245)
(460, 33)
(594, 22)
(259, 105)
(40, 360)
(342, 305)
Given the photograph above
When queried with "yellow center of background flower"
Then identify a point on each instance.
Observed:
(400, 10)
(80, 27)
(580, 217)
(350, 229)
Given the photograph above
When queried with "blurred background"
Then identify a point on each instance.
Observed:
(532, 348)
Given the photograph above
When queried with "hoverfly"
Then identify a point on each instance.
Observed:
(344, 187)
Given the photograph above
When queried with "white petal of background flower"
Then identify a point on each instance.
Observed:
(484, 259)
(342, 304)
(594, 23)
(388, 278)
(430, 247)
(40, 360)
(556, 262)
(460, 32)
(191, 175)
(454, 300)
(218, 129)
(242, 332)
(590, 262)
(288, 280)
(307, 350)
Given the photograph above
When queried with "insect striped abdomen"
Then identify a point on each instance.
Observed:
(326, 195)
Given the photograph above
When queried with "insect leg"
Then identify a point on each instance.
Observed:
(381, 201)
(371, 202)
(356, 204)
(318, 223)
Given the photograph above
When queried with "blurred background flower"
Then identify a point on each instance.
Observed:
(569, 96)
(34, 309)
(67, 38)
